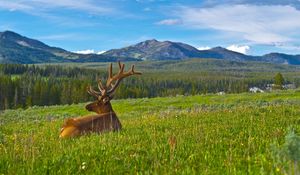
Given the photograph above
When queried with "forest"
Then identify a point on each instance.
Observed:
(22, 86)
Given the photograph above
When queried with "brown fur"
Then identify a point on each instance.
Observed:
(105, 120)
(97, 123)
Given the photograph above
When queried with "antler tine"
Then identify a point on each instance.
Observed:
(118, 77)
(137, 73)
(100, 86)
(133, 71)
(92, 92)
(122, 68)
(132, 68)
(112, 82)
(114, 87)
(110, 71)
(110, 76)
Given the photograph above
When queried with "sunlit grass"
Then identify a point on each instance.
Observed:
(229, 134)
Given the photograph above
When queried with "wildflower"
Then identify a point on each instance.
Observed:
(172, 142)
(83, 166)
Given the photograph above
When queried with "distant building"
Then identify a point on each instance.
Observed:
(256, 90)
(289, 86)
(221, 93)
(270, 87)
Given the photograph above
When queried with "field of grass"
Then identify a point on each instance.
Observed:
(205, 134)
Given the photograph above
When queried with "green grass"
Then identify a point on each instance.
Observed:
(205, 134)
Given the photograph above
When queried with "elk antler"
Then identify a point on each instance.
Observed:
(118, 77)
(110, 88)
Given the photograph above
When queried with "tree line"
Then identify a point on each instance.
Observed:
(22, 86)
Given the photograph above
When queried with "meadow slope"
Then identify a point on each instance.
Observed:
(204, 134)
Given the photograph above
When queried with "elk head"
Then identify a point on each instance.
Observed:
(106, 92)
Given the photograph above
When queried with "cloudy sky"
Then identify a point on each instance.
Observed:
(248, 26)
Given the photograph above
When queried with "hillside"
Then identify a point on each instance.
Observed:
(198, 65)
(227, 134)
(282, 58)
(15, 48)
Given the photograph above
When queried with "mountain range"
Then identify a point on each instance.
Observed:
(15, 48)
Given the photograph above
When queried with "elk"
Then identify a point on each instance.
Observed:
(106, 119)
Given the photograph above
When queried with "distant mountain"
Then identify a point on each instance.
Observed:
(282, 58)
(167, 50)
(156, 50)
(15, 48)
(222, 53)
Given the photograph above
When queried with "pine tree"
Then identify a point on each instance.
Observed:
(278, 81)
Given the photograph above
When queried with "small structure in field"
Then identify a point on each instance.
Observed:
(256, 90)
(289, 86)
(270, 87)
(221, 93)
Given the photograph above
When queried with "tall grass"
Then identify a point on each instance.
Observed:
(229, 134)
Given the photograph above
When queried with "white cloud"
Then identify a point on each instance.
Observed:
(29, 6)
(89, 51)
(204, 48)
(237, 48)
(59, 37)
(169, 22)
(12, 6)
(65, 37)
(288, 47)
(265, 24)
(100, 52)
(47, 9)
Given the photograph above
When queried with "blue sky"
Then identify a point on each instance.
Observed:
(248, 26)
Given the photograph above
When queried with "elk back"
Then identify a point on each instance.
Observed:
(88, 124)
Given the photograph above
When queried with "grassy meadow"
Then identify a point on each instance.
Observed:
(205, 134)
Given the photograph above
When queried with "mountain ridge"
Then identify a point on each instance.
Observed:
(15, 48)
